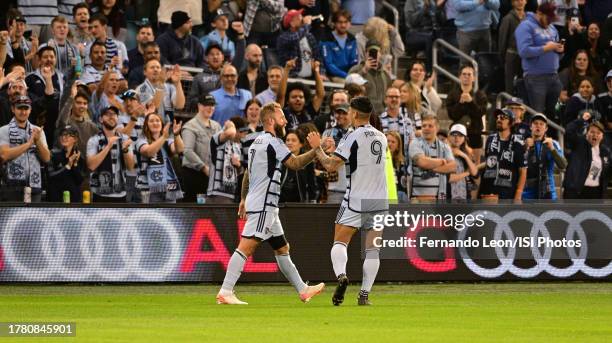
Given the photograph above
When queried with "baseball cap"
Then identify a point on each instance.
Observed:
(129, 94)
(549, 9)
(109, 108)
(213, 45)
(504, 112)
(20, 18)
(572, 12)
(207, 100)
(22, 101)
(460, 128)
(372, 44)
(221, 13)
(609, 75)
(344, 107)
(515, 101)
(290, 15)
(69, 130)
(355, 78)
(539, 116)
(362, 104)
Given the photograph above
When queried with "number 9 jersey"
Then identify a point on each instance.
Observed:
(364, 152)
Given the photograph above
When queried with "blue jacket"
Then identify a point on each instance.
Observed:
(540, 182)
(338, 61)
(473, 16)
(530, 39)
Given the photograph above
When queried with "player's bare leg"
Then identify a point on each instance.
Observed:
(288, 269)
(370, 266)
(342, 236)
(246, 248)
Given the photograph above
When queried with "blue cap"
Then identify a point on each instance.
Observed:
(504, 112)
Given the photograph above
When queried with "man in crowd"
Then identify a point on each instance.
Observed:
(339, 47)
(432, 161)
(92, 73)
(178, 45)
(136, 56)
(23, 148)
(65, 52)
(151, 52)
(377, 79)
(473, 21)
(336, 189)
(301, 107)
(519, 126)
(394, 120)
(81, 35)
(19, 49)
(210, 77)
(253, 77)
(505, 164)
(219, 35)
(275, 75)
(328, 120)
(75, 113)
(298, 43)
(230, 100)
(109, 157)
(116, 52)
(197, 134)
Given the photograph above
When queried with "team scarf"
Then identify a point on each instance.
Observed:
(230, 172)
(157, 175)
(25, 169)
(429, 151)
(499, 166)
(109, 177)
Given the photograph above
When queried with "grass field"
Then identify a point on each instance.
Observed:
(500, 312)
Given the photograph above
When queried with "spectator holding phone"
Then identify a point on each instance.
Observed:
(297, 42)
(20, 49)
(66, 167)
(378, 80)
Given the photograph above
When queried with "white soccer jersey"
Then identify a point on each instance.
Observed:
(266, 154)
(364, 152)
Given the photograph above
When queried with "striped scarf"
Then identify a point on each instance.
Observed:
(109, 177)
(25, 169)
(157, 175)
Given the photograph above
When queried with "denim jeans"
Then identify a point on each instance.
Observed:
(477, 41)
(543, 92)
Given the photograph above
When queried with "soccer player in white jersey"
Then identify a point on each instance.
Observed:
(363, 151)
(260, 206)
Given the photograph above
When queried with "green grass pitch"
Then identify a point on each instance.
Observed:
(485, 312)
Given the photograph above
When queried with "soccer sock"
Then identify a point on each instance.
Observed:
(370, 269)
(290, 271)
(339, 258)
(234, 269)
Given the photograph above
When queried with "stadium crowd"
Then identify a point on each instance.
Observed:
(102, 96)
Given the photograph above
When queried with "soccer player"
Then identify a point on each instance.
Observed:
(260, 206)
(364, 153)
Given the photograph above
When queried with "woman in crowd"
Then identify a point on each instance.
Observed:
(386, 35)
(253, 109)
(66, 168)
(461, 183)
(430, 100)
(156, 175)
(411, 105)
(115, 15)
(297, 185)
(396, 148)
(584, 99)
(570, 77)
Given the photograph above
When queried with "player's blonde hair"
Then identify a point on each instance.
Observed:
(268, 110)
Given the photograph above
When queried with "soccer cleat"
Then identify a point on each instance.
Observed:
(311, 291)
(338, 297)
(229, 299)
(363, 301)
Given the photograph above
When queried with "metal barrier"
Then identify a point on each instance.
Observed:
(444, 44)
(396, 24)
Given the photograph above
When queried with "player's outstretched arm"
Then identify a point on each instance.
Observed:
(330, 163)
(299, 162)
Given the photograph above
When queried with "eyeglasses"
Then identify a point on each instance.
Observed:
(393, 96)
(502, 116)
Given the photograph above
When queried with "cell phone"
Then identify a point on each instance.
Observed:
(27, 35)
(562, 41)
(373, 53)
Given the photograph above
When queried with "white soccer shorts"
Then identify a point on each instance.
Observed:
(263, 225)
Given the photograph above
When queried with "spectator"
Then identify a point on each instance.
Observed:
(16, 87)
(336, 188)
(20, 50)
(588, 170)
(301, 107)
(411, 106)
(473, 21)
(432, 161)
(136, 56)
(115, 16)
(233, 9)
(39, 14)
(361, 10)
(388, 39)
(339, 48)
(543, 155)
(505, 164)
(396, 148)
(519, 126)
(508, 52)
(598, 51)
(319, 10)
(574, 34)
(371, 70)
(230, 100)
(23, 148)
(191, 8)
(165, 96)
(563, 8)
(116, 52)
(151, 52)
(46, 83)
(577, 128)
(219, 35)
(395, 118)
(297, 185)
(93, 73)
(262, 21)
(467, 106)
(66, 168)
(253, 76)
(210, 77)
(253, 110)
(327, 120)
(429, 98)
(604, 102)
(155, 148)
(461, 182)
(596, 11)
(572, 76)
(275, 75)
(225, 164)
(584, 99)
(356, 86)
(75, 113)
(537, 43)
(178, 46)
(423, 20)
(81, 35)
(298, 43)
(109, 156)
(107, 94)
(197, 134)
(132, 119)
(65, 52)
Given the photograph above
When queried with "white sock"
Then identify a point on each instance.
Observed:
(339, 258)
(234, 269)
(370, 269)
(290, 271)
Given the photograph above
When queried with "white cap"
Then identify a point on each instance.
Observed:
(355, 78)
(458, 128)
